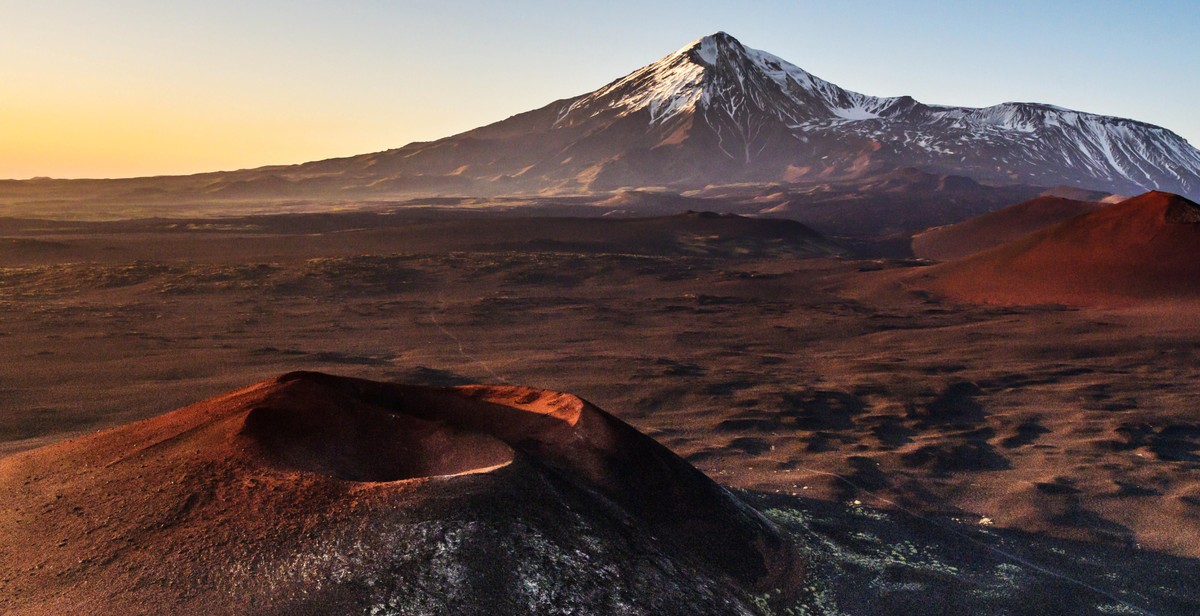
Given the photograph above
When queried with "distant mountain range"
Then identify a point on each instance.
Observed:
(713, 113)
(717, 111)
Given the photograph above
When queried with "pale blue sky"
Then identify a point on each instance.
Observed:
(129, 87)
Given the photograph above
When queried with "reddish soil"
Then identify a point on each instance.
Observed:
(1139, 249)
(174, 512)
(990, 230)
(821, 382)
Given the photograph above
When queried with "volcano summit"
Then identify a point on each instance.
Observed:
(714, 112)
(718, 111)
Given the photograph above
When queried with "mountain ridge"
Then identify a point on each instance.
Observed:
(716, 112)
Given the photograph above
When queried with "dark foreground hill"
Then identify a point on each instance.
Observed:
(313, 494)
(319, 494)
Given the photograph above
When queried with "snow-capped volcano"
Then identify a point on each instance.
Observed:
(764, 112)
(717, 74)
(717, 112)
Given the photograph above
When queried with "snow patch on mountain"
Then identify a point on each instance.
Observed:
(738, 92)
(855, 113)
(665, 89)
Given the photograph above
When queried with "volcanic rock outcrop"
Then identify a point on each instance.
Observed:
(318, 494)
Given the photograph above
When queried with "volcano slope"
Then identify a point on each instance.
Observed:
(1000, 227)
(317, 494)
(1140, 249)
(819, 381)
(713, 112)
(314, 494)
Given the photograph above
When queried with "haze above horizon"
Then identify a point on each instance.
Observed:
(137, 88)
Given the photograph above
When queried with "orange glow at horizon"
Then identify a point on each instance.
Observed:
(109, 139)
(132, 88)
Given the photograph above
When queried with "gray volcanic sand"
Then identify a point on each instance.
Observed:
(789, 376)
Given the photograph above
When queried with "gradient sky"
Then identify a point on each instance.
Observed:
(126, 88)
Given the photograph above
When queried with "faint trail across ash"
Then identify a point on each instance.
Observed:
(462, 350)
